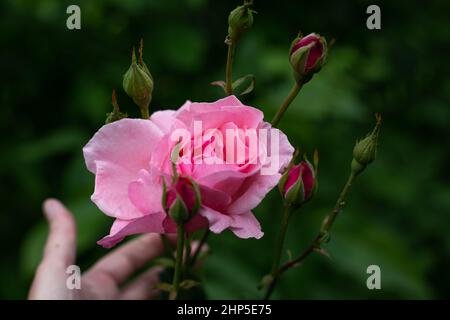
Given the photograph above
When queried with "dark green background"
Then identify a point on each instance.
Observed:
(55, 90)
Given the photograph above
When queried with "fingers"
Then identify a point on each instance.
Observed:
(50, 278)
(143, 287)
(61, 242)
(127, 259)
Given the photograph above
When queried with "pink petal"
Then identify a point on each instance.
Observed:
(122, 228)
(126, 143)
(214, 114)
(292, 178)
(246, 226)
(163, 120)
(217, 221)
(116, 154)
(111, 191)
(256, 188)
(194, 224)
(213, 198)
(145, 193)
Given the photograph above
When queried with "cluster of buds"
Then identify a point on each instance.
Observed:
(299, 182)
(240, 20)
(181, 201)
(138, 82)
(307, 56)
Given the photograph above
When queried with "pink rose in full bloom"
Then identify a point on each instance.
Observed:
(132, 157)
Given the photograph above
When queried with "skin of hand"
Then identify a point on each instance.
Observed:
(106, 278)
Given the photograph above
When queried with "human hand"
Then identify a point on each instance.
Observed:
(104, 280)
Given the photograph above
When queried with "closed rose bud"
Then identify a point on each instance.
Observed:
(365, 150)
(138, 83)
(240, 20)
(182, 200)
(298, 184)
(307, 56)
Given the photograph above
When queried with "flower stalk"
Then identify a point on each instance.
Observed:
(279, 248)
(229, 70)
(290, 97)
(178, 261)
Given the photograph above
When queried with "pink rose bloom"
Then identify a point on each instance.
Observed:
(131, 157)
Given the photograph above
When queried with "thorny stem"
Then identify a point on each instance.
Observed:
(321, 237)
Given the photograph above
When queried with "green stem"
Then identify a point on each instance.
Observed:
(199, 247)
(291, 96)
(144, 113)
(167, 248)
(325, 229)
(329, 220)
(188, 250)
(229, 71)
(178, 261)
(279, 250)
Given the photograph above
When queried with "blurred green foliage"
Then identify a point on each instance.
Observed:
(55, 91)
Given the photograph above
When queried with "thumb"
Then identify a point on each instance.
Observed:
(59, 253)
(61, 242)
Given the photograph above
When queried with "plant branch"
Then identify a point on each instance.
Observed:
(178, 262)
(278, 250)
(199, 247)
(229, 70)
(327, 223)
(291, 96)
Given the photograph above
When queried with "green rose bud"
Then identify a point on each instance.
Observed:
(240, 20)
(138, 83)
(365, 150)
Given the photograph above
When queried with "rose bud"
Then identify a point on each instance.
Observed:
(307, 56)
(182, 200)
(298, 184)
(240, 20)
(138, 83)
(365, 150)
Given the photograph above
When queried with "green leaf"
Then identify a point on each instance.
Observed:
(244, 85)
(165, 262)
(166, 287)
(265, 281)
(219, 83)
(188, 284)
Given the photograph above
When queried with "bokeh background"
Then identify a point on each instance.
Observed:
(55, 91)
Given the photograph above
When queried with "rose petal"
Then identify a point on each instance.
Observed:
(246, 226)
(145, 193)
(163, 119)
(217, 221)
(116, 154)
(122, 228)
